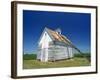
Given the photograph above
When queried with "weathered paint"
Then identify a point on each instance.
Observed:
(52, 52)
(44, 44)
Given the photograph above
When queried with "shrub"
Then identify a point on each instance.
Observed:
(84, 55)
(78, 55)
(29, 56)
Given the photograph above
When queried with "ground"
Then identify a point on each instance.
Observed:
(76, 61)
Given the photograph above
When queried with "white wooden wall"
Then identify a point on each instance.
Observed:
(44, 44)
(45, 54)
(61, 53)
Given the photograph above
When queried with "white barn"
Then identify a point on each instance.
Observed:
(54, 46)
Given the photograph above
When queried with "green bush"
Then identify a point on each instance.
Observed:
(78, 55)
(85, 55)
(29, 56)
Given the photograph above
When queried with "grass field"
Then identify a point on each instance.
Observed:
(31, 63)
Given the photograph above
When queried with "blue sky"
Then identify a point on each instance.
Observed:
(76, 26)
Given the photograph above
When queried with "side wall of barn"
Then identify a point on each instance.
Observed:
(59, 52)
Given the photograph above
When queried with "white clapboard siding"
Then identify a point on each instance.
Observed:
(44, 44)
(71, 52)
(59, 53)
(50, 49)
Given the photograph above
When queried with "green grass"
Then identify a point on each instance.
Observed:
(76, 61)
(30, 62)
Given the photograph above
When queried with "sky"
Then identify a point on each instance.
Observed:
(75, 26)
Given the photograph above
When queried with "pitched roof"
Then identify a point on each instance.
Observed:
(61, 38)
(58, 37)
